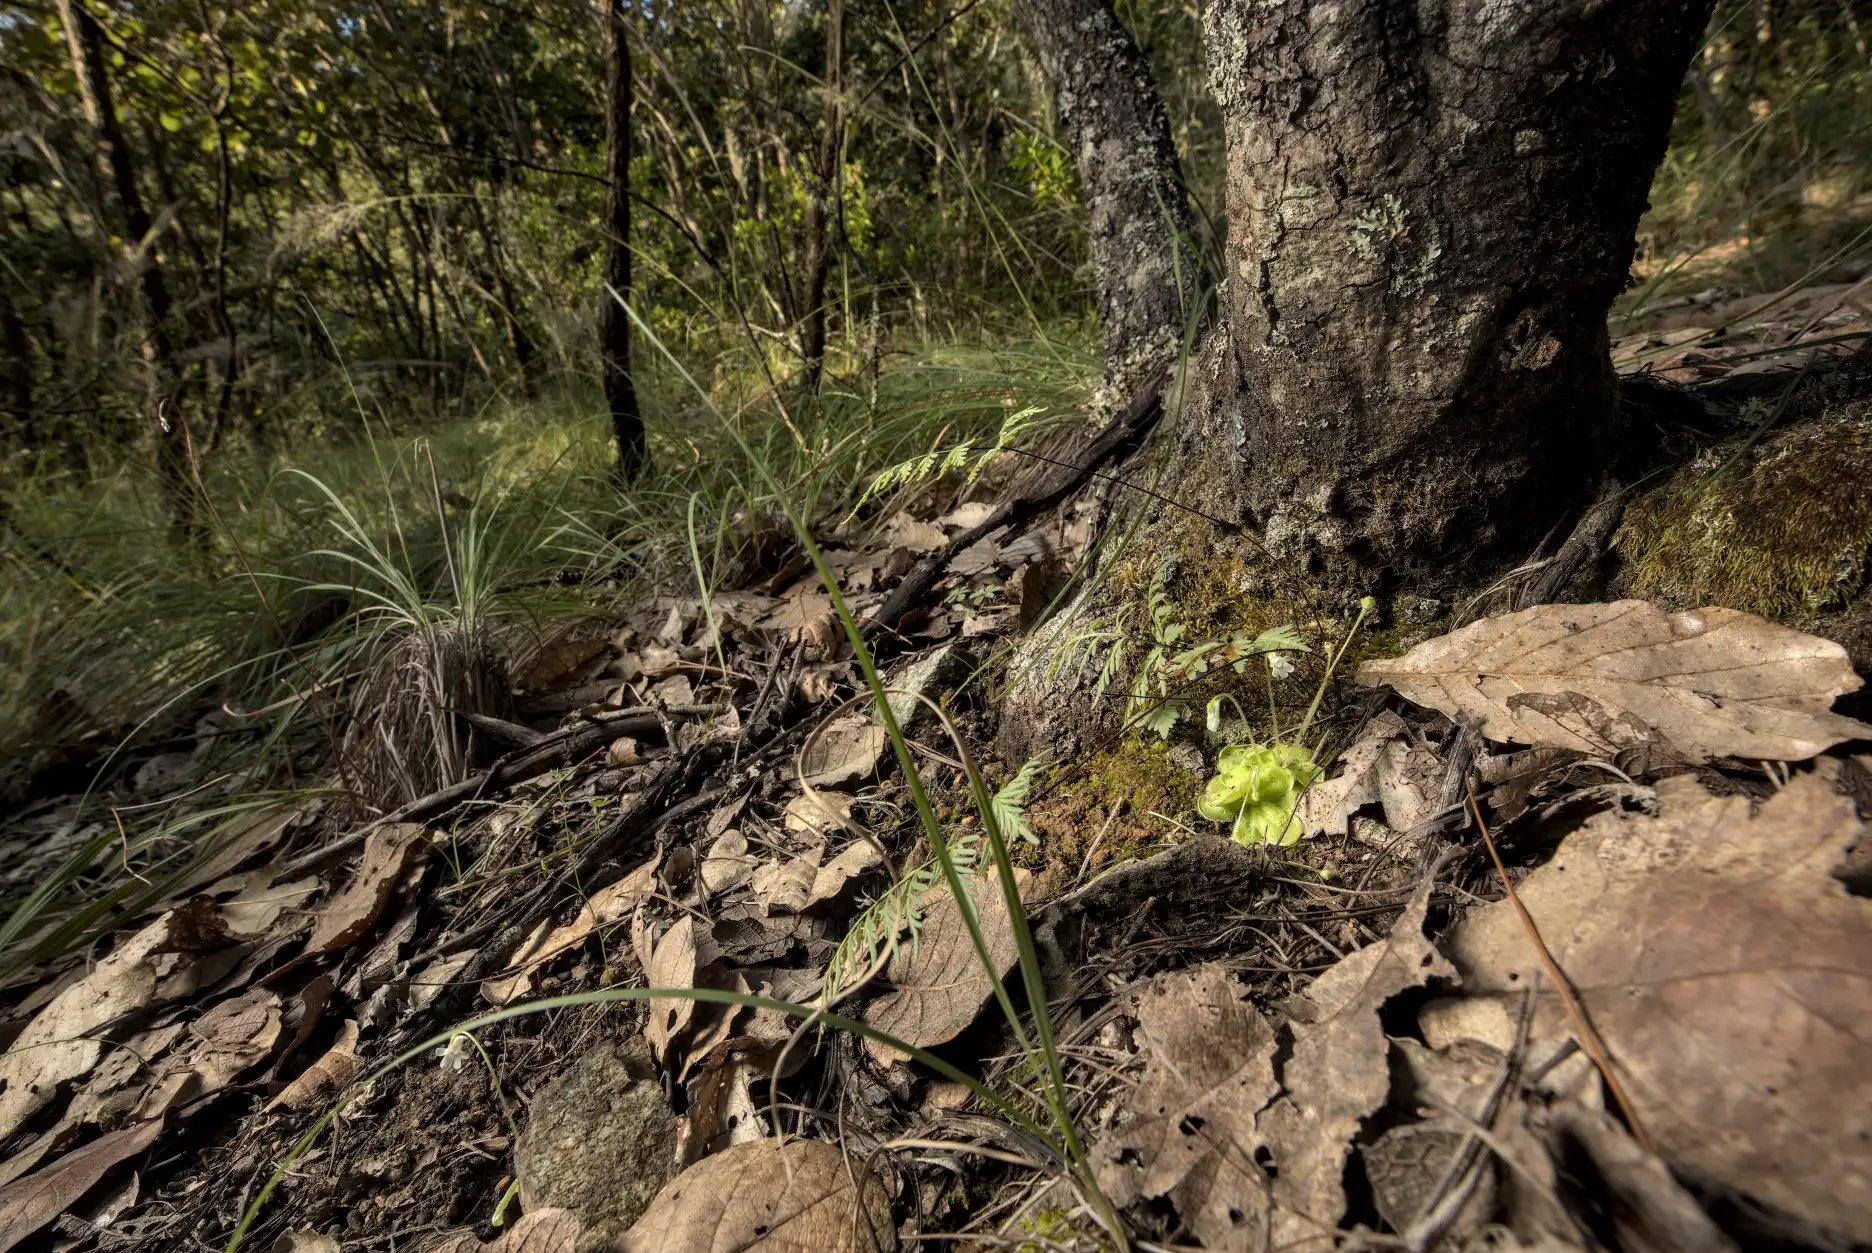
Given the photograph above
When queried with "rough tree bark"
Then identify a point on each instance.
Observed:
(1139, 227)
(1431, 207)
(85, 38)
(614, 327)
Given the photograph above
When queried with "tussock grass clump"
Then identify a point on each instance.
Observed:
(408, 737)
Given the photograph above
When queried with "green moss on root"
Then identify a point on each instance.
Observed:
(1781, 529)
(1142, 776)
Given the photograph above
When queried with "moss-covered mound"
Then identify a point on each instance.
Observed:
(1780, 526)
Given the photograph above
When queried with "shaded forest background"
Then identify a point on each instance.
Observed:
(369, 396)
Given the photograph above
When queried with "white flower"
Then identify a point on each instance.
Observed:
(1280, 665)
(455, 1056)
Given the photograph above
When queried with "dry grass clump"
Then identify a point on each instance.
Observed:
(406, 737)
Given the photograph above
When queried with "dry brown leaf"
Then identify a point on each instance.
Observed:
(939, 982)
(832, 877)
(239, 843)
(1731, 977)
(28, 1204)
(727, 864)
(842, 751)
(1337, 1075)
(232, 1036)
(672, 964)
(904, 531)
(1189, 1127)
(253, 913)
(1326, 807)
(327, 1076)
(605, 906)
(108, 1099)
(816, 812)
(1599, 678)
(541, 1231)
(388, 853)
(766, 1196)
(51, 1049)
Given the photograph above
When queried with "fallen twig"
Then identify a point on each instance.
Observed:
(1589, 1037)
(561, 748)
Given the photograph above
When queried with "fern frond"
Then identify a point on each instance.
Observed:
(1010, 803)
(902, 906)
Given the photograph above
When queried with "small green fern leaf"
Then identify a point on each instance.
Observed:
(1010, 803)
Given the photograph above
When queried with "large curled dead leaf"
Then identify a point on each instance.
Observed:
(1731, 976)
(1189, 1126)
(28, 1204)
(325, 1077)
(939, 982)
(1337, 1075)
(388, 853)
(766, 1196)
(1599, 678)
(53, 1047)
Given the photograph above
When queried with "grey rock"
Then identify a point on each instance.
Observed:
(600, 1141)
(942, 671)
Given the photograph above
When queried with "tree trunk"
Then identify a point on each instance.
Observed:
(86, 42)
(822, 196)
(1431, 208)
(614, 328)
(1119, 135)
(16, 377)
(1431, 205)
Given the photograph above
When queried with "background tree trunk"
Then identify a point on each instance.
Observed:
(86, 40)
(614, 328)
(1139, 228)
(822, 199)
(1431, 208)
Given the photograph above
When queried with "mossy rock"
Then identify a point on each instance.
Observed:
(1782, 527)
